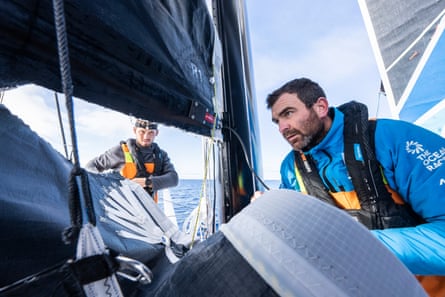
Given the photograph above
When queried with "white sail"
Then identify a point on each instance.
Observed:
(408, 42)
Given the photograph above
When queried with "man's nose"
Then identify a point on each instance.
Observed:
(283, 126)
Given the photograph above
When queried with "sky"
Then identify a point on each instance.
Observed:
(322, 40)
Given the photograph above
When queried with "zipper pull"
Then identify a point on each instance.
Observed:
(306, 164)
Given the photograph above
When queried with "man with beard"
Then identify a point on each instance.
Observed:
(387, 174)
(139, 159)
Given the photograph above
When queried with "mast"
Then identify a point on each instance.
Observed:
(240, 122)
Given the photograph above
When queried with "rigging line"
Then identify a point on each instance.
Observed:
(67, 84)
(61, 125)
(203, 185)
(214, 191)
(213, 152)
(246, 157)
(65, 71)
(379, 100)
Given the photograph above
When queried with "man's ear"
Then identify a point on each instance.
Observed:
(157, 132)
(321, 107)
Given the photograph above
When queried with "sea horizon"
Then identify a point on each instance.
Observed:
(186, 195)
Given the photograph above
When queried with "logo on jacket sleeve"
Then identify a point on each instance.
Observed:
(430, 160)
(413, 147)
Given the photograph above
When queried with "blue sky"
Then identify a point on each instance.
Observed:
(323, 40)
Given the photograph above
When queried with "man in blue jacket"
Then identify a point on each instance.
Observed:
(397, 167)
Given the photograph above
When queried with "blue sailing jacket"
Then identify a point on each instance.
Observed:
(413, 161)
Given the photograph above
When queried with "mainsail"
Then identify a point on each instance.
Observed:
(408, 41)
(151, 59)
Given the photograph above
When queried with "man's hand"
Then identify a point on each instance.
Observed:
(140, 181)
(146, 183)
(256, 195)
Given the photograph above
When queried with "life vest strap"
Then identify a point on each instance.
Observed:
(310, 178)
(129, 170)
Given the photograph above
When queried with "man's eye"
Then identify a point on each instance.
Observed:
(288, 113)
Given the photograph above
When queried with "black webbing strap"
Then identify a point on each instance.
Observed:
(93, 268)
(311, 179)
(70, 234)
(359, 157)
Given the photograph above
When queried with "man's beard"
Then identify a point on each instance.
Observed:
(310, 140)
(314, 139)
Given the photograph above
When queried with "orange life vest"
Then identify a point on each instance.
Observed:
(130, 170)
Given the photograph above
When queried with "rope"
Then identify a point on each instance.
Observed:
(61, 125)
(78, 176)
(65, 72)
(246, 157)
(214, 191)
(203, 185)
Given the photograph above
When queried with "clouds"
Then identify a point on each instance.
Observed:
(96, 127)
(30, 105)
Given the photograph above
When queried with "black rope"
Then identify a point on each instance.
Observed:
(61, 125)
(65, 72)
(78, 175)
(246, 157)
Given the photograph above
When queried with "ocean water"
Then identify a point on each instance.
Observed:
(185, 197)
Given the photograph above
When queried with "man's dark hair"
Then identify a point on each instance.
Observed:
(307, 90)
